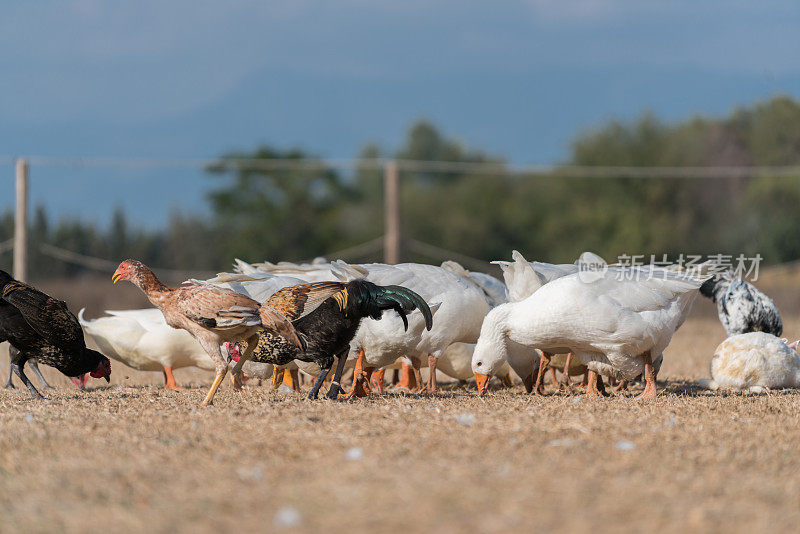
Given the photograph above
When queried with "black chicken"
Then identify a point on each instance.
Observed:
(329, 328)
(41, 327)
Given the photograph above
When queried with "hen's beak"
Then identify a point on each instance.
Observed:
(78, 381)
(117, 276)
(483, 383)
(108, 379)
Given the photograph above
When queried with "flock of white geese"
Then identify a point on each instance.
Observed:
(585, 318)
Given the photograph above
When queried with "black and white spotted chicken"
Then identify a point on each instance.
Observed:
(741, 307)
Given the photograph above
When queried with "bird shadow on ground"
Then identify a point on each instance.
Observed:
(690, 388)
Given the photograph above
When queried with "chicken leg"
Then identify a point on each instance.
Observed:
(9, 384)
(33, 364)
(336, 385)
(323, 373)
(21, 374)
(236, 373)
(212, 347)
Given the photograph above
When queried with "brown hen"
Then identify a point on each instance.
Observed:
(211, 314)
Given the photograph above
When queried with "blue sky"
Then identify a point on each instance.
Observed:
(193, 79)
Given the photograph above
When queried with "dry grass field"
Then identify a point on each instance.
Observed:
(133, 457)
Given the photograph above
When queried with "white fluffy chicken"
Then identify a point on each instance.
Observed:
(755, 361)
(141, 339)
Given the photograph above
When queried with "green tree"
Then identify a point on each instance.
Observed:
(282, 212)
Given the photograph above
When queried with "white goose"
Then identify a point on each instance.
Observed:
(456, 362)
(494, 290)
(256, 285)
(523, 278)
(142, 339)
(755, 361)
(317, 271)
(615, 322)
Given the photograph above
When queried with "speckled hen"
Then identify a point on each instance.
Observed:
(741, 307)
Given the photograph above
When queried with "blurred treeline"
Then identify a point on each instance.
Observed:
(303, 212)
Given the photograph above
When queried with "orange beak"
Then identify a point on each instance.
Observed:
(117, 276)
(483, 383)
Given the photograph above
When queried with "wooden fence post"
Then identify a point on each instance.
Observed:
(21, 222)
(391, 192)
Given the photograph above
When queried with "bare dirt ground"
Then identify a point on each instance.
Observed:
(131, 456)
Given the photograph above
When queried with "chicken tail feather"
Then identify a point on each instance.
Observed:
(366, 299)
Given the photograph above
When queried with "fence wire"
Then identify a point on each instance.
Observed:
(444, 167)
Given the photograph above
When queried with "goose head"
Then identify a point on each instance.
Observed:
(490, 352)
